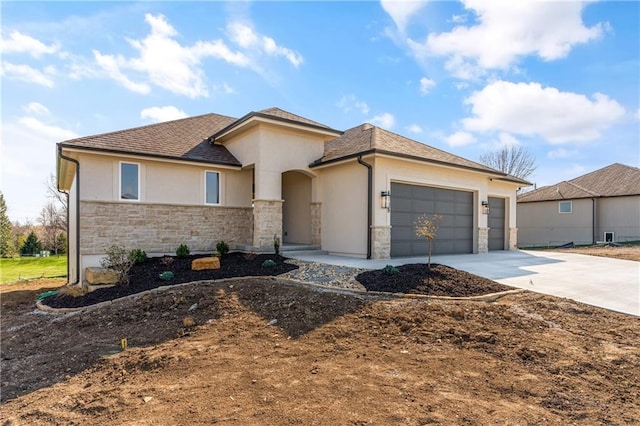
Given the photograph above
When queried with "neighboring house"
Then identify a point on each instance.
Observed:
(603, 205)
(269, 174)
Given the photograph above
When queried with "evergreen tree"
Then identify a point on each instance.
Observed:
(32, 245)
(7, 245)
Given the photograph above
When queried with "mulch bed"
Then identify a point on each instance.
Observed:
(442, 281)
(146, 276)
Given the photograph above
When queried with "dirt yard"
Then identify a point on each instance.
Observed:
(627, 252)
(265, 352)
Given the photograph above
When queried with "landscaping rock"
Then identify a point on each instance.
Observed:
(95, 275)
(205, 263)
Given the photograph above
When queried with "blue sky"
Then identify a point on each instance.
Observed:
(561, 78)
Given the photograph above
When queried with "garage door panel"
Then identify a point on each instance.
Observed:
(409, 202)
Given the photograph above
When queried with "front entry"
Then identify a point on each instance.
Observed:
(296, 208)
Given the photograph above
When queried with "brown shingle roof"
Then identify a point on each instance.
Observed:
(368, 138)
(279, 113)
(184, 139)
(612, 181)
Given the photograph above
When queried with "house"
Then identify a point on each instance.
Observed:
(603, 205)
(203, 179)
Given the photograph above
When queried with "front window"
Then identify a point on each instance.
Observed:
(212, 187)
(129, 181)
(565, 207)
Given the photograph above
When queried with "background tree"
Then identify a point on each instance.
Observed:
(7, 242)
(427, 227)
(53, 216)
(31, 246)
(517, 161)
(59, 199)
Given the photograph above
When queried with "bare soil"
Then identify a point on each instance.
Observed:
(269, 352)
(626, 252)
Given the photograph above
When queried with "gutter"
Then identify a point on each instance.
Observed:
(369, 201)
(77, 163)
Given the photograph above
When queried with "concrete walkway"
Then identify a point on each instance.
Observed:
(608, 283)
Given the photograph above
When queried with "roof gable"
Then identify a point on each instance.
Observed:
(612, 181)
(184, 139)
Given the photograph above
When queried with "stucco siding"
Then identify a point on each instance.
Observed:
(620, 215)
(541, 224)
(344, 209)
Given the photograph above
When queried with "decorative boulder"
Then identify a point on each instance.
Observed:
(95, 276)
(205, 263)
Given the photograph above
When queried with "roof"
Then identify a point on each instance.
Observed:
(615, 180)
(185, 139)
(367, 138)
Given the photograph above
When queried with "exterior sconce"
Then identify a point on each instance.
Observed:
(485, 207)
(385, 199)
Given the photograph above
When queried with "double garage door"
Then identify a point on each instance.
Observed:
(409, 202)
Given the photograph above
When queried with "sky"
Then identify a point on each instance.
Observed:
(560, 78)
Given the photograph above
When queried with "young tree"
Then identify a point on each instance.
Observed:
(32, 245)
(7, 243)
(517, 161)
(427, 227)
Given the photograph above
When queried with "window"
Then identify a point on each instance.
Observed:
(129, 181)
(565, 207)
(212, 188)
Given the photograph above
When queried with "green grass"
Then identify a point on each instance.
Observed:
(23, 268)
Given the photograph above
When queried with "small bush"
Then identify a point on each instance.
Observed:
(276, 245)
(119, 260)
(138, 256)
(390, 270)
(166, 275)
(268, 263)
(223, 248)
(182, 251)
(167, 260)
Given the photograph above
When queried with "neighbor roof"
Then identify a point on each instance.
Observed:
(367, 139)
(615, 180)
(184, 139)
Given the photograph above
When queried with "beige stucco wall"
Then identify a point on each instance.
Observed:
(540, 224)
(620, 215)
(296, 208)
(344, 209)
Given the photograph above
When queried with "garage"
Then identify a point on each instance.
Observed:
(409, 202)
(496, 223)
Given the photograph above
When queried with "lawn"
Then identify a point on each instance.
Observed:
(23, 268)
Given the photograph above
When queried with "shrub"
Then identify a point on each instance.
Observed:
(31, 246)
(167, 260)
(390, 270)
(222, 247)
(138, 256)
(276, 244)
(182, 251)
(166, 276)
(268, 263)
(119, 260)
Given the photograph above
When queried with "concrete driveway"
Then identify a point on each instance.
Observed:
(608, 283)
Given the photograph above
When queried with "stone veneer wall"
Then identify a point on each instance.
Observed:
(316, 224)
(267, 222)
(483, 240)
(380, 242)
(161, 228)
(513, 238)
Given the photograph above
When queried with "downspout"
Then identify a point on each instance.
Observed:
(369, 201)
(593, 220)
(77, 163)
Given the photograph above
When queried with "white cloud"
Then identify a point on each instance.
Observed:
(385, 120)
(224, 88)
(247, 38)
(111, 66)
(46, 131)
(22, 43)
(506, 140)
(415, 128)
(530, 109)
(166, 113)
(460, 138)
(561, 153)
(347, 103)
(504, 32)
(426, 84)
(28, 74)
(401, 11)
(36, 108)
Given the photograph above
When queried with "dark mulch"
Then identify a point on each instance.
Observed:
(146, 276)
(443, 281)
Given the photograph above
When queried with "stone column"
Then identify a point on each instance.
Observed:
(316, 224)
(483, 240)
(513, 238)
(381, 242)
(267, 222)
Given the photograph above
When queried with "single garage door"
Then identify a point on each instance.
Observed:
(409, 202)
(496, 223)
